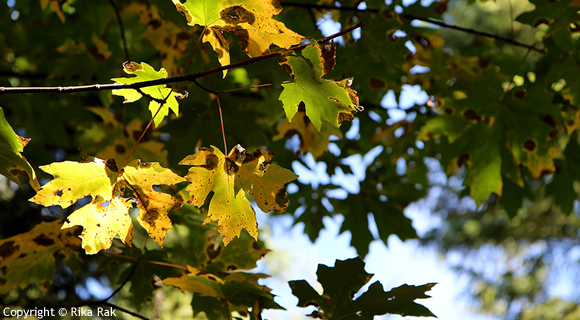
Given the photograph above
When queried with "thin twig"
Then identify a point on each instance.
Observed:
(126, 280)
(222, 121)
(120, 21)
(191, 77)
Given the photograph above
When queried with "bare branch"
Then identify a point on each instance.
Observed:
(190, 77)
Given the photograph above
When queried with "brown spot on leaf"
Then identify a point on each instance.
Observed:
(237, 14)
(231, 267)
(549, 120)
(328, 55)
(519, 94)
(448, 111)
(471, 115)
(483, 62)
(213, 252)
(530, 145)
(541, 21)
(462, 160)
(282, 198)
(7, 249)
(553, 133)
(43, 240)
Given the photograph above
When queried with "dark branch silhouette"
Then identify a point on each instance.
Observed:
(190, 77)
(413, 17)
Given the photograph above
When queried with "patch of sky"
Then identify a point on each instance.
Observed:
(352, 133)
(99, 289)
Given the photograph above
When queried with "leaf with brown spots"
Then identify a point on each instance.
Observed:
(251, 20)
(229, 177)
(265, 183)
(107, 216)
(101, 222)
(153, 206)
(325, 100)
(34, 252)
(76, 180)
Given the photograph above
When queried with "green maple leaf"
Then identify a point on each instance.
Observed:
(145, 72)
(336, 302)
(251, 20)
(229, 177)
(325, 100)
(107, 216)
(12, 163)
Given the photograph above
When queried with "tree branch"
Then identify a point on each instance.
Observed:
(190, 77)
(410, 16)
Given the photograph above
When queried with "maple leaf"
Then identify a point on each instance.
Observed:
(333, 101)
(145, 72)
(34, 253)
(101, 222)
(153, 206)
(74, 180)
(251, 20)
(107, 216)
(229, 177)
(12, 163)
(311, 140)
(239, 290)
(337, 301)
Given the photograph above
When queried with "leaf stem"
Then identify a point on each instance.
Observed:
(222, 121)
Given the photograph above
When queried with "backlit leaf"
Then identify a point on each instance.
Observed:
(229, 178)
(252, 21)
(144, 72)
(153, 206)
(324, 100)
(12, 163)
(101, 222)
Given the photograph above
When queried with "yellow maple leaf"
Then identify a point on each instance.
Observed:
(153, 206)
(107, 216)
(101, 222)
(251, 20)
(229, 177)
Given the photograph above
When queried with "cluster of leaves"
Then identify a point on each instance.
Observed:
(103, 193)
(502, 112)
